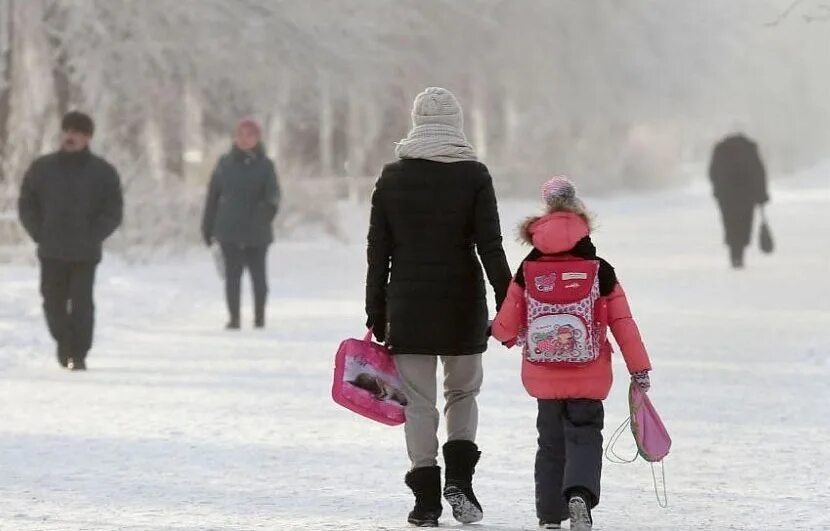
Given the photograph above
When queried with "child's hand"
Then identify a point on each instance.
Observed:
(642, 380)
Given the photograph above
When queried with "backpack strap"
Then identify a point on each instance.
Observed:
(534, 255)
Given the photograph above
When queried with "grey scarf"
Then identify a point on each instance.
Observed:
(438, 142)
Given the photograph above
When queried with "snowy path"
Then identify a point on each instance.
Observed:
(181, 426)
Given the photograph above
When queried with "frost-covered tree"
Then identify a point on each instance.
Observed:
(618, 94)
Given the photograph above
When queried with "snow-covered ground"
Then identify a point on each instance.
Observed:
(180, 425)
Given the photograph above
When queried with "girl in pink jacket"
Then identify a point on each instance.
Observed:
(559, 307)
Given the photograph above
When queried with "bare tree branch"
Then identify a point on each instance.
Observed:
(824, 10)
(784, 14)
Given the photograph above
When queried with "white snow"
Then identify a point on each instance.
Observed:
(180, 425)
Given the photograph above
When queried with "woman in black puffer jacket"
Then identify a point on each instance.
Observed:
(432, 210)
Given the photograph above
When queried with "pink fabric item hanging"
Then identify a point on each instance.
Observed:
(651, 436)
(653, 441)
(367, 382)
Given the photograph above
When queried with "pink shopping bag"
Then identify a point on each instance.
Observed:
(367, 382)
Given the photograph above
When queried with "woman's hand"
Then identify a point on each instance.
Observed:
(378, 327)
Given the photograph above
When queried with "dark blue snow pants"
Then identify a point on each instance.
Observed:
(569, 455)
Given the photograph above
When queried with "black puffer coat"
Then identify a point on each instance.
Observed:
(69, 204)
(425, 289)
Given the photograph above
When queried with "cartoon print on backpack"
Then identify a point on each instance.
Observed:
(559, 339)
(546, 283)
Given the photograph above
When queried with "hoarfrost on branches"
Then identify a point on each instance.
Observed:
(620, 95)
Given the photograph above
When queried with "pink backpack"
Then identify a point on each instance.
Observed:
(367, 382)
(650, 434)
(566, 319)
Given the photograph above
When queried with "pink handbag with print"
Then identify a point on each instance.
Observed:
(366, 381)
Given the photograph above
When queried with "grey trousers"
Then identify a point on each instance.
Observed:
(462, 382)
(569, 455)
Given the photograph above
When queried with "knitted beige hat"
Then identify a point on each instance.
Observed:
(437, 106)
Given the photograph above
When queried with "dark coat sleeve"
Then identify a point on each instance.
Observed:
(758, 173)
(489, 239)
(212, 202)
(28, 204)
(111, 212)
(273, 194)
(378, 254)
(716, 170)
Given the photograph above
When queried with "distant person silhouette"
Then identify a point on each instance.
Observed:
(242, 200)
(70, 202)
(739, 181)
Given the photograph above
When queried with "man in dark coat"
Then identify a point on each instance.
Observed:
(432, 210)
(739, 181)
(242, 200)
(70, 202)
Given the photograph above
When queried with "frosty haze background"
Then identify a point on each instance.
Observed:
(181, 426)
(620, 94)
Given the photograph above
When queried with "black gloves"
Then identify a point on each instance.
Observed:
(378, 326)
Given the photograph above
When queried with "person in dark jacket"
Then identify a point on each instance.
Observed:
(242, 200)
(70, 202)
(739, 181)
(425, 293)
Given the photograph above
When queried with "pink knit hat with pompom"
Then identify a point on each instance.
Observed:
(559, 188)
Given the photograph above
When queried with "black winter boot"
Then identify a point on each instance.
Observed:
(460, 458)
(425, 483)
(63, 355)
(579, 507)
(736, 255)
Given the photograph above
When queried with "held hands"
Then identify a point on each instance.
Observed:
(489, 332)
(642, 379)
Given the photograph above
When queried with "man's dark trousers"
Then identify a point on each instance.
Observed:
(68, 303)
